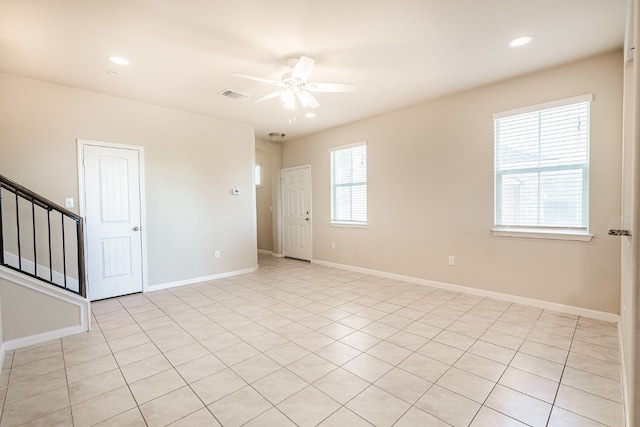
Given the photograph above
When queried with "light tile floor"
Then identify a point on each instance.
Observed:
(297, 344)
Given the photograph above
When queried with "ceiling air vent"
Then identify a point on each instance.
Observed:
(234, 95)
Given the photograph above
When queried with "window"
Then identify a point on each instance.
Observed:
(542, 168)
(349, 184)
(257, 172)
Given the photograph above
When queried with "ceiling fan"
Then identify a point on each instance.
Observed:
(294, 85)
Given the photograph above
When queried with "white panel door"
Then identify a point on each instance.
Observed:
(113, 218)
(296, 199)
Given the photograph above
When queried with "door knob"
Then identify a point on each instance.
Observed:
(136, 228)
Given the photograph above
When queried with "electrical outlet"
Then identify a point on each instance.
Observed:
(216, 254)
(452, 260)
(333, 245)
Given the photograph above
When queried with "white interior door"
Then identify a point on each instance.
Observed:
(113, 218)
(296, 199)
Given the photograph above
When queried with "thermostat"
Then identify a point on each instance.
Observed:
(235, 191)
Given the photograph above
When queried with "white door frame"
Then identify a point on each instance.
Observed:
(283, 210)
(81, 143)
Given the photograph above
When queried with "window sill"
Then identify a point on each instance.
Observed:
(349, 224)
(543, 234)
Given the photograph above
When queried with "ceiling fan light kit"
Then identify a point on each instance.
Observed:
(295, 87)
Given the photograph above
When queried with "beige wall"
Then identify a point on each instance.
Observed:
(263, 202)
(192, 163)
(26, 312)
(430, 192)
(273, 151)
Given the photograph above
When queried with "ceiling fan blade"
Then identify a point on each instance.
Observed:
(288, 99)
(303, 68)
(259, 79)
(307, 100)
(331, 87)
(267, 97)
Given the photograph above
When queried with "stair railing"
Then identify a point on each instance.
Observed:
(40, 238)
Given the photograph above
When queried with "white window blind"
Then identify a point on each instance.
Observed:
(258, 174)
(349, 184)
(542, 167)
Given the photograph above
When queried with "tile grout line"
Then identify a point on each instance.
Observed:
(242, 303)
(172, 367)
(121, 373)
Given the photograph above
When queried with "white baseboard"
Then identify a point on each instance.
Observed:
(3, 353)
(160, 286)
(273, 254)
(562, 308)
(40, 338)
(42, 271)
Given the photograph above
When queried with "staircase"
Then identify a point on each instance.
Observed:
(42, 268)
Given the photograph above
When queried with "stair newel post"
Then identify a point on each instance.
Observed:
(82, 280)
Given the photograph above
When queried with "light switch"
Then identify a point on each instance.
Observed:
(68, 202)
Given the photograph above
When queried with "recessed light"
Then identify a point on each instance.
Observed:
(520, 41)
(310, 115)
(119, 60)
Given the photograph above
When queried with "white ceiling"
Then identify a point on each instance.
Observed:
(182, 53)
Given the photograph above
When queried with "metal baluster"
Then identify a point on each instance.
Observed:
(35, 249)
(64, 255)
(1, 231)
(81, 272)
(49, 233)
(18, 229)
(20, 193)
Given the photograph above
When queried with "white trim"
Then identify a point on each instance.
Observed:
(629, 41)
(42, 271)
(282, 207)
(543, 234)
(344, 147)
(193, 280)
(282, 171)
(3, 353)
(544, 106)
(143, 203)
(273, 254)
(623, 375)
(562, 308)
(40, 338)
(342, 224)
(84, 323)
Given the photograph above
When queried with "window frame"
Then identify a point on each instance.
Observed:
(545, 232)
(257, 175)
(341, 222)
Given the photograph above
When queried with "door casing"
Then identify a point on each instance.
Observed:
(81, 143)
(284, 211)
